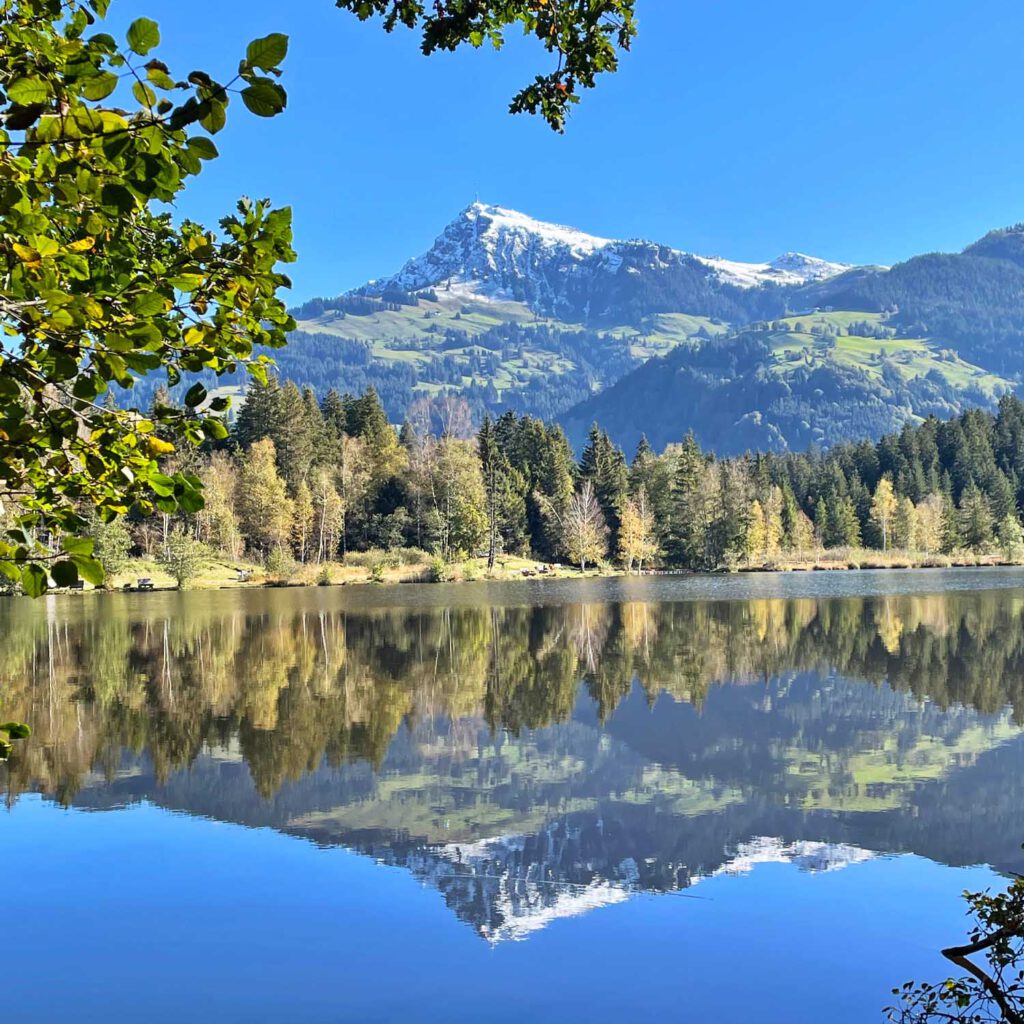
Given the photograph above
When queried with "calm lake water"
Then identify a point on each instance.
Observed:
(724, 799)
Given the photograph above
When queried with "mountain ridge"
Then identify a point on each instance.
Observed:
(496, 248)
(513, 313)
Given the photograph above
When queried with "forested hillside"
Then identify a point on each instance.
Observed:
(781, 386)
(304, 481)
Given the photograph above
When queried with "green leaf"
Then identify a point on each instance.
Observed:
(143, 94)
(65, 574)
(268, 52)
(117, 196)
(16, 730)
(89, 569)
(265, 99)
(161, 485)
(33, 580)
(214, 116)
(148, 304)
(195, 395)
(215, 429)
(203, 148)
(25, 91)
(143, 35)
(100, 86)
(77, 545)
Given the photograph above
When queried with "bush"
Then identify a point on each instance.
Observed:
(323, 577)
(469, 572)
(183, 557)
(393, 558)
(280, 565)
(377, 571)
(439, 571)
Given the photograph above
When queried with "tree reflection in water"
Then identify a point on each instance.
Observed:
(540, 756)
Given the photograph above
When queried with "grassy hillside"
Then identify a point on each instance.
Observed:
(781, 386)
(798, 347)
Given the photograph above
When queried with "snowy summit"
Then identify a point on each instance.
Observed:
(495, 250)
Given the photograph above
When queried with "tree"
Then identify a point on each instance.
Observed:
(101, 286)
(328, 514)
(263, 506)
(182, 557)
(883, 509)
(755, 531)
(217, 522)
(929, 523)
(303, 520)
(637, 542)
(293, 437)
(493, 466)
(905, 525)
(773, 528)
(688, 538)
(990, 991)
(585, 36)
(457, 498)
(1011, 538)
(112, 545)
(975, 518)
(584, 532)
(844, 526)
(821, 523)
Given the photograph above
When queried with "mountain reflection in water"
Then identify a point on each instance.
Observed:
(534, 762)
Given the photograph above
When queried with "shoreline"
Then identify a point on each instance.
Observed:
(217, 575)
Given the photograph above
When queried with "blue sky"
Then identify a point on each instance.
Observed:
(734, 128)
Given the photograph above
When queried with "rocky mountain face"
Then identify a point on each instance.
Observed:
(492, 252)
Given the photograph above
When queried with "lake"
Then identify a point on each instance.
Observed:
(725, 799)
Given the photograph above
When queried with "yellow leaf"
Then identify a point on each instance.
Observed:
(157, 446)
(82, 245)
(27, 254)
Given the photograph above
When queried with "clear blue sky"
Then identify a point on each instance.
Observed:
(734, 128)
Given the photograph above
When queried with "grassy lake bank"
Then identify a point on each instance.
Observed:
(219, 573)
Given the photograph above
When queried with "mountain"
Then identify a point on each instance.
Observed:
(817, 379)
(489, 251)
(510, 312)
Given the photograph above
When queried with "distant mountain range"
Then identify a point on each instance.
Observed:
(515, 313)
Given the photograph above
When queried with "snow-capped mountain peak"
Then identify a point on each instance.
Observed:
(494, 247)
(491, 251)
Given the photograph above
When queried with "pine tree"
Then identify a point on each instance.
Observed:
(292, 437)
(844, 526)
(333, 413)
(975, 519)
(260, 412)
(689, 527)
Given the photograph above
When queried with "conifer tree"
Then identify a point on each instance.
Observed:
(975, 518)
(260, 412)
